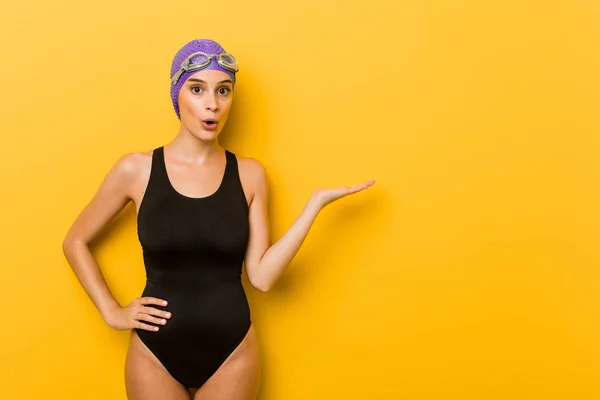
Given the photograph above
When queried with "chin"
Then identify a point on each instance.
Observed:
(206, 135)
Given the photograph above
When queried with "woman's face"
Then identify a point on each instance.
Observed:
(204, 103)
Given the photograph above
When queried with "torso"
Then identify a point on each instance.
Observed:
(193, 227)
(181, 180)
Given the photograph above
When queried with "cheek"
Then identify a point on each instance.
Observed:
(187, 104)
(226, 104)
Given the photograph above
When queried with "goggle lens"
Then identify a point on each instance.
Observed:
(228, 59)
(199, 60)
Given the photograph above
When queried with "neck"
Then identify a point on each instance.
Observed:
(188, 148)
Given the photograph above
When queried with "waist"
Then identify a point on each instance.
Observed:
(194, 280)
(193, 275)
(201, 302)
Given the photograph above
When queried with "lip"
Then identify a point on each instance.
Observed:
(210, 127)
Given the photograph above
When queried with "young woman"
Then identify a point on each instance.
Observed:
(201, 214)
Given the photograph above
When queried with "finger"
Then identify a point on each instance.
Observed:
(365, 185)
(147, 317)
(146, 327)
(153, 300)
(158, 313)
(356, 188)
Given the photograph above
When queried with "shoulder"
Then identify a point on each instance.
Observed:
(129, 172)
(251, 167)
(253, 174)
(133, 164)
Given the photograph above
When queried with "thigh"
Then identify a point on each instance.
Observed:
(146, 378)
(238, 377)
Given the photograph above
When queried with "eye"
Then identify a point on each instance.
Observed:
(193, 89)
(224, 90)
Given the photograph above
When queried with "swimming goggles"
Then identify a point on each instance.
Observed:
(201, 60)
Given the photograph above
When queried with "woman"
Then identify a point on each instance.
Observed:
(201, 214)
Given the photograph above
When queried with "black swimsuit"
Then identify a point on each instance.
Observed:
(193, 252)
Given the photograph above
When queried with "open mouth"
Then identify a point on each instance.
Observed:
(210, 124)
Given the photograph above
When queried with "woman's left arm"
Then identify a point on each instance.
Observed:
(265, 262)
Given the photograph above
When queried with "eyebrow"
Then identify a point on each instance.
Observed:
(201, 81)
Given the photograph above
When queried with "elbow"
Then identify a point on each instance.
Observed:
(261, 285)
(66, 245)
(259, 278)
(69, 242)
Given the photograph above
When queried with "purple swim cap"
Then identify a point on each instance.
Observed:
(204, 45)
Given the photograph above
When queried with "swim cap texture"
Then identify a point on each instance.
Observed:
(204, 45)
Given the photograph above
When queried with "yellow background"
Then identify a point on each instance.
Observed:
(469, 271)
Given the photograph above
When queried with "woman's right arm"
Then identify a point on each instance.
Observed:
(111, 197)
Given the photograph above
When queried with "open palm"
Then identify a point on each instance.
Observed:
(327, 196)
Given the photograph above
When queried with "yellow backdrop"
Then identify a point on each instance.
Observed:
(469, 271)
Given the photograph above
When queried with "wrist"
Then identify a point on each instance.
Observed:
(314, 204)
(108, 311)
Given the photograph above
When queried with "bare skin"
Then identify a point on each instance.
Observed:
(195, 163)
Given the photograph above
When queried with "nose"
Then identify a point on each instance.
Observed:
(211, 103)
